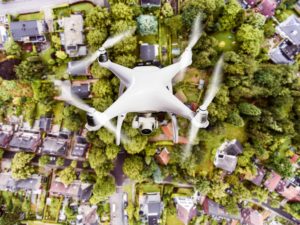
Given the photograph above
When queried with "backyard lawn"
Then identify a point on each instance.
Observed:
(226, 40)
(58, 112)
(46, 55)
(173, 220)
(148, 187)
(32, 16)
(79, 7)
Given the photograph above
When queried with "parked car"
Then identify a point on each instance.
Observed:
(113, 210)
(125, 199)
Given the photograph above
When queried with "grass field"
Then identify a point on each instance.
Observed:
(58, 112)
(226, 40)
(46, 55)
(79, 7)
(147, 187)
(32, 16)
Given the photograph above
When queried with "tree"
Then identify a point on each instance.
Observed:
(249, 109)
(112, 151)
(21, 168)
(167, 10)
(61, 55)
(203, 186)
(12, 48)
(101, 104)
(99, 72)
(126, 60)
(87, 177)
(133, 167)
(250, 39)
(67, 175)
(30, 70)
(43, 91)
(256, 20)
(231, 12)
(103, 188)
(44, 160)
(235, 119)
(95, 38)
(97, 17)
(72, 118)
(102, 88)
(106, 136)
(147, 25)
(281, 165)
(10, 218)
(121, 11)
(174, 23)
(136, 144)
(121, 26)
(60, 161)
(129, 44)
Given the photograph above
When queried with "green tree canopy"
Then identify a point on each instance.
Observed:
(20, 167)
(133, 167)
(103, 188)
(249, 109)
(67, 175)
(147, 25)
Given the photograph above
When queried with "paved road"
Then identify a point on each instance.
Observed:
(117, 216)
(26, 6)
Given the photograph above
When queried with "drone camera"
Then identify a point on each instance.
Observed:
(146, 124)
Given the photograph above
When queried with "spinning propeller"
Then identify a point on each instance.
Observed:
(110, 42)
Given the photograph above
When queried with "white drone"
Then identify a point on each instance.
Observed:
(148, 90)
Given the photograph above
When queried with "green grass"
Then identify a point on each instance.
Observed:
(32, 222)
(46, 55)
(58, 112)
(226, 40)
(147, 187)
(150, 39)
(185, 191)
(63, 11)
(79, 7)
(32, 16)
(173, 220)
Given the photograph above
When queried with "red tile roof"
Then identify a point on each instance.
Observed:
(163, 157)
(272, 182)
(267, 8)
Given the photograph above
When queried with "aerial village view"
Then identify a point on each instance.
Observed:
(158, 112)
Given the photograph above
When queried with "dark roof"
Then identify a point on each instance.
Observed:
(4, 139)
(80, 147)
(25, 141)
(45, 123)
(289, 50)
(28, 184)
(54, 146)
(147, 52)
(82, 91)
(234, 148)
(152, 220)
(75, 70)
(7, 69)
(23, 29)
(257, 180)
(150, 2)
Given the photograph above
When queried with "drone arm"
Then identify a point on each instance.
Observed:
(119, 128)
(122, 72)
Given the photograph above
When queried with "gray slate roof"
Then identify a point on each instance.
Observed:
(290, 28)
(23, 29)
(76, 70)
(80, 147)
(54, 146)
(45, 123)
(82, 91)
(147, 52)
(24, 141)
(225, 162)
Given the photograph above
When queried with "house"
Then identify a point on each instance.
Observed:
(6, 133)
(81, 90)
(214, 209)
(148, 52)
(258, 179)
(290, 29)
(31, 31)
(289, 190)
(3, 20)
(45, 124)
(151, 207)
(297, 7)
(251, 217)
(150, 3)
(250, 3)
(289, 48)
(163, 156)
(72, 38)
(226, 156)
(80, 147)
(32, 184)
(54, 145)
(87, 215)
(267, 7)
(3, 36)
(186, 209)
(77, 190)
(272, 181)
(284, 53)
(26, 141)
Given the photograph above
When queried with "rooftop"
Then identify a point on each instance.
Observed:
(148, 52)
(267, 7)
(186, 209)
(80, 147)
(290, 29)
(272, 181)
(252, 217)
(163, 157)
(82, 91)
(145, 3)
(28, 31)
(55, 146)
(26, 141)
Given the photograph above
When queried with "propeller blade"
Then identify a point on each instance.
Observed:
(214, 85)
(196, 32)
(69, 97)
(111, 41)
(84, 63)
(192, 135)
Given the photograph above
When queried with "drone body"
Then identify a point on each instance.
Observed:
(148, 90)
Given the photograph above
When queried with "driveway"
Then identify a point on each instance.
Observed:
(26, 6)
(116, 218)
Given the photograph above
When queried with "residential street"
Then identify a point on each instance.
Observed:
(117, 199)
(27, 6)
